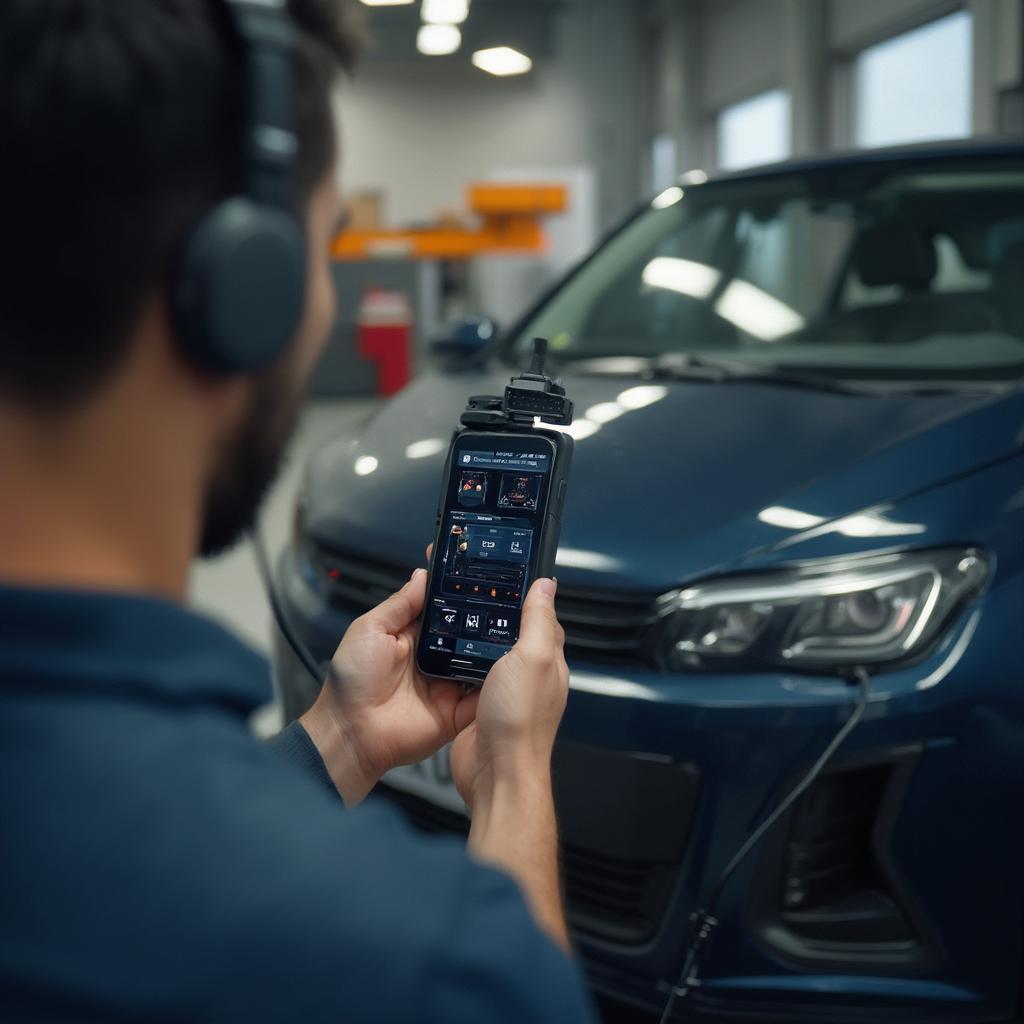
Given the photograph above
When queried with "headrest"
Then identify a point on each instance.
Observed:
(894, 252)
(1011, 266)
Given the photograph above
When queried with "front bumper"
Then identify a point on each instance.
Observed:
(660, 779)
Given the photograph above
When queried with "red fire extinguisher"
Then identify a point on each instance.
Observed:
(385, 324)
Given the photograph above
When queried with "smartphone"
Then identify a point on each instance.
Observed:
(498, 522)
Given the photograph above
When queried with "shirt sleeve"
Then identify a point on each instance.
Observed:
(293, 744)
(497, 965)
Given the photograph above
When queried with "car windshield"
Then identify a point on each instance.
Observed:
(868, 271)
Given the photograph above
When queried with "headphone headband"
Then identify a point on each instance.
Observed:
(238, 296)
(268, 35)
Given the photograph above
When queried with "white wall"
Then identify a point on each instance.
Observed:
(420, 133)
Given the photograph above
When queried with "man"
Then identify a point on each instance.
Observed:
(156, 862)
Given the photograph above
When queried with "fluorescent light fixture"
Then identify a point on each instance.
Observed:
(694, 177)
(789, 518)
(581, 559)
(445, 12)
(755, 311)
(425, 448)
(874, 524)
(688, 277)
(581, 429)
(641, 396)
(365, 465)
(502, 60)
(388, 3)
(861, 524)
(604, 412)
(668, 198)
(438, 40)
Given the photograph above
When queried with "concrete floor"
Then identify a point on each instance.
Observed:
(228, 588)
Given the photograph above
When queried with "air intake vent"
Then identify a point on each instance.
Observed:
(607, 898)
(826, 894)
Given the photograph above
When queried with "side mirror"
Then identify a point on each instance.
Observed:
(464, 339)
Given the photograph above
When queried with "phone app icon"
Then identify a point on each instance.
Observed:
(445, 621)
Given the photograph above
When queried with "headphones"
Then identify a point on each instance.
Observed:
(239, 291)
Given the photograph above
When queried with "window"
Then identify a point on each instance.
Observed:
(756, 131)
(916, 86)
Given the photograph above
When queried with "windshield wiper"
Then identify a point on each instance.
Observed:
(684, 366)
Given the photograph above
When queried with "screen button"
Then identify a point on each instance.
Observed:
(445, 621)
(473, 624)
(445, 644)
(481, 649)
(499, 628)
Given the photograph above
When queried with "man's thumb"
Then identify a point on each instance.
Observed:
(539, 623)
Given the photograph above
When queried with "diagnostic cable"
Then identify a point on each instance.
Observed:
(704, 920)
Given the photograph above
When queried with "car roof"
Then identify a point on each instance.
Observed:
(918, 154)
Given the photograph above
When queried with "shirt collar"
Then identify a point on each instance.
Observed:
(125, 643)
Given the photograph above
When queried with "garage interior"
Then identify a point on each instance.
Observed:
(775, 249)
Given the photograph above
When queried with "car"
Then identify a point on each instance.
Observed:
(799, 461)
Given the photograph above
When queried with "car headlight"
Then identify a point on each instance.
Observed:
(820, 615)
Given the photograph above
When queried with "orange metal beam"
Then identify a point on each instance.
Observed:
(510, 214)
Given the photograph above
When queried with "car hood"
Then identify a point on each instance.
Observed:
(680, 480)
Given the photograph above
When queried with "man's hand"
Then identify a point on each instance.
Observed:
(519, 708)
(501, 761)
(376, 710)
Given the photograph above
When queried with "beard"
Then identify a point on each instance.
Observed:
(249, 463)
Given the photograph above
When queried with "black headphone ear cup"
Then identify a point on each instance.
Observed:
(239, 295)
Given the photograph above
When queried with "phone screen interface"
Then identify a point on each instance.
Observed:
(495, 504)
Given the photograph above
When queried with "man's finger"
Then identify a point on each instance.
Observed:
(539, 631)
(402, 609)
(465, 710)
(430, 551)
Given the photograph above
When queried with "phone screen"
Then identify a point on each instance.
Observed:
(495, 505)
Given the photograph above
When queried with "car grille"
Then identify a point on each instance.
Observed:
(604, 626)
(606, 898)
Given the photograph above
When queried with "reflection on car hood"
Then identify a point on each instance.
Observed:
(678, 480)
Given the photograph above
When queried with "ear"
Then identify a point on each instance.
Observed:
(190, 391)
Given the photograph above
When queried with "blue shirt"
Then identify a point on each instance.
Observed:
(158, 863)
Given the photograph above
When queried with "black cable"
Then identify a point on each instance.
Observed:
(300, 649)
(704, 920)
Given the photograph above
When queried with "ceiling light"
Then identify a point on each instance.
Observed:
(789, 518)
(502, 60)
(388, 3)
(445, 12)
(425, 448)
(668, 198)
(755, 311)
(641, 396)
(581, 429)
(365, 465)
(438, 40)
(604, 412)
(688, 277)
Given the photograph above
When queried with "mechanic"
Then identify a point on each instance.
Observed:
(158, 863)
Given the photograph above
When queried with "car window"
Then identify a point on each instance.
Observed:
(893, 273)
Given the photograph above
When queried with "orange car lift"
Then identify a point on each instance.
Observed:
(510, 218)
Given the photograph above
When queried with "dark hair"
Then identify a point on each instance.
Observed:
(121, 124)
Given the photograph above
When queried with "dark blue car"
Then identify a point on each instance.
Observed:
(800, 452)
